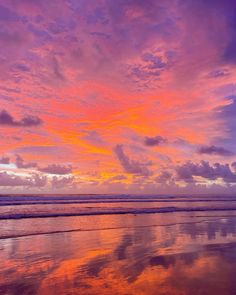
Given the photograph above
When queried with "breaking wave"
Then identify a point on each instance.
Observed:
(116, 211)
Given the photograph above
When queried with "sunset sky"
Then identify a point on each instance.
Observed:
(118, 96)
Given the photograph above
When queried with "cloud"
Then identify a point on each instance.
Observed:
(50, 169)
(164, 177)
(41, 149)
(218, 74)
(7, 15)
(94, 138)
(149, 69)
(215, 13)
(115, 179)
(228, 110)
(131, 166)
(21, 164)
(118, 177)
(226, 114)
(117, 43)
(154, 62)
(61, 182)
(56, 169)
(40, 180)
(34, 180)
(188, 170)
(13, 180)
(214, 150)
(5, 160)
(228, 8)
(27, 121)
(57, 69)
(153, 141)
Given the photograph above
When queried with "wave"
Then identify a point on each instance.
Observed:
(114, 212)
(82, 197)
(56, 201)
(9, 198)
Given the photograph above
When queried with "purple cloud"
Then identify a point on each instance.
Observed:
(51, 150)
(7, 15)
(227, 113)
(118, 177)
(21, 164)
(57, 70)
(50, 169)
(153, 141)
(40, 181)
(131, 166)
(115, 179)
(5, 160)
(203, 169)
(218, 74)
(94, 138)
(27, 121)
(154, 61)
(60, 182)
(164, 177)
(214, 150)
(7, 179)
(56, 169)
(13, 180)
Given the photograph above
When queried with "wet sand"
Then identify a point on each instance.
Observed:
(172, 253)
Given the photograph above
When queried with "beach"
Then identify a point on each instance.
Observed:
(118, 147)
(186, 252)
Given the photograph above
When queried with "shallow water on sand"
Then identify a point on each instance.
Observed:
(165, 253)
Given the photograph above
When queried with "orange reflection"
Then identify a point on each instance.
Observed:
(182, 258)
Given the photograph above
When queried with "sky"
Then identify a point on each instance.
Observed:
(124, 96)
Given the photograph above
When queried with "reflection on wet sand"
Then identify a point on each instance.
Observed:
(183, 258)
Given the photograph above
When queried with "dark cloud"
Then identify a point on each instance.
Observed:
(214, 150)
(5, 160)
(153, 141)
(21, 67)
(188, 170)
(20, 163)
(56, 169)
(131, 166)
(27, 121)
